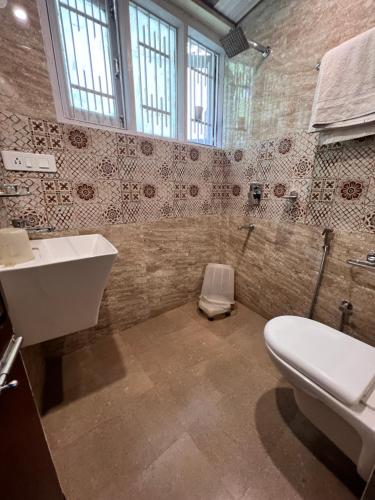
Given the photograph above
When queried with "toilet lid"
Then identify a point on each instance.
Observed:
(340, 364)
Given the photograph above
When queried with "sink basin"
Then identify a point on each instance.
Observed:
(60, 290)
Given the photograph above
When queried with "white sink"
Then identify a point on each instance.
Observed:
(60, 291)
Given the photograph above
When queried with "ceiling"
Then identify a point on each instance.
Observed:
(233, 10)
(218, 15)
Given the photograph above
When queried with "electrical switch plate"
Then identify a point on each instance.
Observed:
(28, 162)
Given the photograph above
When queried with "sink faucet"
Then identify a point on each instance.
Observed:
(21, 223)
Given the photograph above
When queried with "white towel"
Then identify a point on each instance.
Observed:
(345, 92)
(329, 136)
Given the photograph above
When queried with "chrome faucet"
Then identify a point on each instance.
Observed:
(21, 223)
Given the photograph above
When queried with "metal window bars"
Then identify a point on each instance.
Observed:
(237, 97)
(86, 43)
(202, 92)
(154, 44)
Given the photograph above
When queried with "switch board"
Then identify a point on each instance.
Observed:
(28, 162)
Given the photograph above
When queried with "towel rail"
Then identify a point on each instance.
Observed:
(369, 263)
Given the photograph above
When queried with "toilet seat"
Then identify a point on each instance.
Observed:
(350, 426)
(340, 364)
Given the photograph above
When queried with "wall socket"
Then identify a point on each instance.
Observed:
(28, 162)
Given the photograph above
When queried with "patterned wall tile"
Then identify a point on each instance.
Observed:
(346, 217)
(110, 178)
(370, 195)
(78, 165)
(85, 192)
(318, 214)
(111, 213)
(103, 142)
(15, 132)
(323, 190)
(61, 216)
(334, 183)
(109, 192)
(127, 145)
(57, 192)
(351, 191)
(106, 167)
(368, 218)
(127, 167)
(46, 136)
(327, 162)
(77, 139)
(87, 215)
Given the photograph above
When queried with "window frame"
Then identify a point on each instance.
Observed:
(185, 26)
(219, 86)
(127, 60)
(59, 78)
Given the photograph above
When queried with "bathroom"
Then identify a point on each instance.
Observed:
(164, 154)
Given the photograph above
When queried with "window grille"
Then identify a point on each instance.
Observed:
(153, 43)
(202, 92)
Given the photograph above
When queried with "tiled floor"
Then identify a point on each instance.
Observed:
(179, 407)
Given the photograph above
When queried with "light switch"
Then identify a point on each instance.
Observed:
(43, 164)
(35, 162)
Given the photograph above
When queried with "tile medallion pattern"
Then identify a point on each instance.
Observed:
(111, 178)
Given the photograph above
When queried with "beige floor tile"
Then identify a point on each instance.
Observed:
(249, 341)
(159, 418)
(143, 336)
(192, 395)
(118, 447)
(229, 437)
(179, 407)
(182, 472)
(313, 464)
(178, 351)
(100, 365)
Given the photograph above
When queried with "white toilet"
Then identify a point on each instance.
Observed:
(333, 378)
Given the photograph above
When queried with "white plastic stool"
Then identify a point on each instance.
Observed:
(217, 296)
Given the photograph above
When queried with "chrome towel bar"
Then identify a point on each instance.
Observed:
(7, 361)
(369, 263)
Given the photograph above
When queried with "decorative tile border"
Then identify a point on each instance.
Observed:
(335, 183)
(111, 178)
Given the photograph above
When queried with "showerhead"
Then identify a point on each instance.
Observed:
(236, 42)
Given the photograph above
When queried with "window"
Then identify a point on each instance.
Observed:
(134, 65)
(238, 85)
(153, 44)
(88, 61)
(202, 92)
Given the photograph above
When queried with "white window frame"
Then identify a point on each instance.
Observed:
(185, 25)
(126, 56)
(207, 42)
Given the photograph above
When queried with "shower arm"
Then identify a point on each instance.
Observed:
(265, 51)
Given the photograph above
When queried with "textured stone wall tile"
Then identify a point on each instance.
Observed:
(276, 270)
